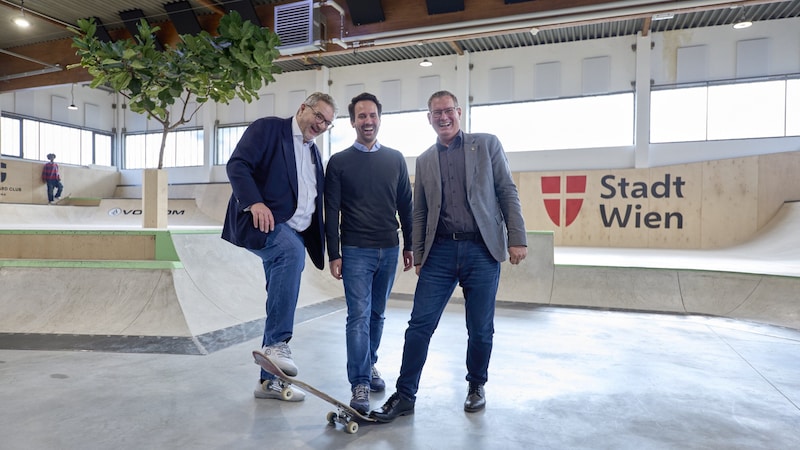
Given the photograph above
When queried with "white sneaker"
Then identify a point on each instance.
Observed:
(275, 389)
(282, 356)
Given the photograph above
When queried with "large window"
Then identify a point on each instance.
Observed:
(34, 139)
(583, 122)
(408, 132)
(184, 148)
(733, 110)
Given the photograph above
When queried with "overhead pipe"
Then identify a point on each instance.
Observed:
(30, 73)
(48, 67)
(340, 40)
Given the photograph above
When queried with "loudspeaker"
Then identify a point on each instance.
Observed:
(182, 16)
(131, 19)
(444, 6)
(245, 9)
(365, 11)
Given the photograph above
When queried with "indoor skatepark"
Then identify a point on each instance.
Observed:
(609, 335)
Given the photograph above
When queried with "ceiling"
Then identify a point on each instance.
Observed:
(36, 56)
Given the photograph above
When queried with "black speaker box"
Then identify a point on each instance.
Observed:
(444, 6)
(182, 16)
(365, 11)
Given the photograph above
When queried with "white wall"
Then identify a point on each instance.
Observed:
(567, 69)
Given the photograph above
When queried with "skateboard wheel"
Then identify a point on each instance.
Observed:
(331, 418)
(352, 427)
(287, 393)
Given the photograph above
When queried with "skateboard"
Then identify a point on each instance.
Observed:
(61, 199)
(344, 414)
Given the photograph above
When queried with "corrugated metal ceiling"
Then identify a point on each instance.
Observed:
(108, 12)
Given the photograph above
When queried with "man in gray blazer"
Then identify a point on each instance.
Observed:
(467, 219)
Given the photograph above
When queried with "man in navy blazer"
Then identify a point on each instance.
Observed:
(276, 212)
(467, 220)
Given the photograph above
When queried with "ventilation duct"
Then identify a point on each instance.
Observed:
(300, 27)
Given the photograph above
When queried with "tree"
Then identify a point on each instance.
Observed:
(234, 63)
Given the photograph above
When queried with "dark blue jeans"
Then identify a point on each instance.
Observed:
(368, 276)
(54, 185)
(284, 259)
(451, 263)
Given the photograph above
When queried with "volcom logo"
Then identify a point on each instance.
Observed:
(2, 172)
(572, 195)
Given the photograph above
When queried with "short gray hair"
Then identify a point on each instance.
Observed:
(317, 97)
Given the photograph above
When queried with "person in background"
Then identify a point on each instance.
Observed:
(467, 220)
(367, 189)
(276, 211)
(52, 177)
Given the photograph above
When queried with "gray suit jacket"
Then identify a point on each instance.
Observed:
(491, 192)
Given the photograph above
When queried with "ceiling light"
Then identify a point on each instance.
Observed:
(20, 20)
(425, 63)
(72, 106)
(741, 22)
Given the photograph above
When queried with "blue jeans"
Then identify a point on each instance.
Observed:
(469, 264)
(368, 276)
(284, 258)
(54, 185)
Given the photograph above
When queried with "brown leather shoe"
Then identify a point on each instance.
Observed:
(476, 398)
(395, 406)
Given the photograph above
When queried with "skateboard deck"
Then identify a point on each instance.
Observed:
(61, 199)
(344, 414)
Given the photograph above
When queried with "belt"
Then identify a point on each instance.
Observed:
(459, 236)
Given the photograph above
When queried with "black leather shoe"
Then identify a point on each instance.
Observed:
(476, 398)
(395, 406)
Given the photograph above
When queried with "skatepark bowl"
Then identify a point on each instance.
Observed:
(112, 336)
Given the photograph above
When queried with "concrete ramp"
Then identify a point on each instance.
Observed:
(222, 285)
(213, 294)
(56, 300)
(758, 280)
(215, 286)
(775, 250)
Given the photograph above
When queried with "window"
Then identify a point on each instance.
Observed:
(732, 110)
(227, 138)
(34, 139)
(408, 132)
(183, 148)
(582, 122)
(11, 136)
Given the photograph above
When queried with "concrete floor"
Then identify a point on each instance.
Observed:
(560, 378)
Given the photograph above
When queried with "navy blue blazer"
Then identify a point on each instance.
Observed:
(262, 168)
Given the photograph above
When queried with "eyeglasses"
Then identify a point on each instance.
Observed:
(320, 118)
(442, 112)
